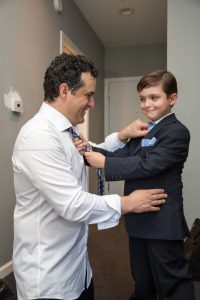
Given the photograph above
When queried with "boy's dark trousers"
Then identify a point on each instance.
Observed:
(148, 258)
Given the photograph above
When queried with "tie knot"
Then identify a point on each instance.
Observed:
(151, 125)
(73, 132)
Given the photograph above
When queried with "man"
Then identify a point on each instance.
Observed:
(53, 209)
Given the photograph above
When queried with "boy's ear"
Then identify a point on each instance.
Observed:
(172, 99)
(63, 90)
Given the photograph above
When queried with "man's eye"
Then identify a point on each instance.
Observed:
(89, 96)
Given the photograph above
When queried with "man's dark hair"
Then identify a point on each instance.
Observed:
(164, 77)
(66, 69)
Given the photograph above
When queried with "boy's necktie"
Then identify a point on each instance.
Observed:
(151, 125)
(99, 171)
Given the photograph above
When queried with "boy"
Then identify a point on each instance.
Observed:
(155, 239)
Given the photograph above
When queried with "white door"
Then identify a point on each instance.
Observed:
(121, 107)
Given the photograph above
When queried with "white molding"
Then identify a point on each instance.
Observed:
(6, 269)
(65, 39)
(107, 82)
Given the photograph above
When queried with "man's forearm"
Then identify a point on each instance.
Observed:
(143, 201)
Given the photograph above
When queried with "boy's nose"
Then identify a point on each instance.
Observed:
(147, 102)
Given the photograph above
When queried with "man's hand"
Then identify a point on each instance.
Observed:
(82, 144)
(143, 201)
(135, 129)
(95, 159)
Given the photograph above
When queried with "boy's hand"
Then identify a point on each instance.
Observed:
(82, 144)
(95, 159)
(135, 129)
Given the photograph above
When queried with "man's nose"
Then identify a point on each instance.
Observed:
(91, 102)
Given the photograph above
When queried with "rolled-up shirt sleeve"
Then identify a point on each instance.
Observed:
(111, 143)
(41, 159)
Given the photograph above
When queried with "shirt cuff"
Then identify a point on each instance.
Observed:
(115, 203)
(112, 142)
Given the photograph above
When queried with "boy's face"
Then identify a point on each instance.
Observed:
(154, 102)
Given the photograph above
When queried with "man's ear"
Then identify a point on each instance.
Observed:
(172, 99)
(63, 90)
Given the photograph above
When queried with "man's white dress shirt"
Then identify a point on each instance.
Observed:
(53, 209)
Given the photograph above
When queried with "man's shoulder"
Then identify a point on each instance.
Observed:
(36, 130)
(36, 123)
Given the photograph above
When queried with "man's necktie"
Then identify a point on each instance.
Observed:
(74, 134)
(100, 191)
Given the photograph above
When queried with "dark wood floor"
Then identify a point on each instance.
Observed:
(109, 258)
(108, 251)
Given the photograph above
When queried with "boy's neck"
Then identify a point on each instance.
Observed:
(158, 120)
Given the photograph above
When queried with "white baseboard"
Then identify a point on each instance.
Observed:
(6, 269)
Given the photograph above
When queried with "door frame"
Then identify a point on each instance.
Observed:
(107, 82)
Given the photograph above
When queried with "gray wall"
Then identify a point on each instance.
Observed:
(183, 60)
(29, 35)
(134, 60)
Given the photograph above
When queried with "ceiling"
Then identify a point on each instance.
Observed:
(148, 24)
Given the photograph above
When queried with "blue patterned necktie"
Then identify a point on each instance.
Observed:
(74, 134)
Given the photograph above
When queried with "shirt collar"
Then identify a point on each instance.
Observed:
(156, 122)
(55, 117)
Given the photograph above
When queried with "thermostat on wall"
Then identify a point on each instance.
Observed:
(13, 101)
(58, 5)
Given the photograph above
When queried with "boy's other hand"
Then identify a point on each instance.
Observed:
(95, 159)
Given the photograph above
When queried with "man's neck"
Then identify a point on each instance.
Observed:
(60, 108)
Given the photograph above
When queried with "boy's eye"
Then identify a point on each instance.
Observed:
(154, 98)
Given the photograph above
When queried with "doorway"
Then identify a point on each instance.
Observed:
(121, 107)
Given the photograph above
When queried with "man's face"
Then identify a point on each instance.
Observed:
(81, 100)
(154, 102)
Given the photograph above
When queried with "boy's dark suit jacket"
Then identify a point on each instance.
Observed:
(157, 166)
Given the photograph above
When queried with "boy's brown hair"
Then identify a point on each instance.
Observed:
(166, 78)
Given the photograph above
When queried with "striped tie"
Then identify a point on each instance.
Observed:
(74, 134)
(100, 191)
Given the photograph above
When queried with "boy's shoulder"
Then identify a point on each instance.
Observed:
(173, 127)
(176, 122)
(182, 126)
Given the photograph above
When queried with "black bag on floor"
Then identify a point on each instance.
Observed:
(192, 250)
(5, 292)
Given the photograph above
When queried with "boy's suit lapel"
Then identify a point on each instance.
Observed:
(168, 120)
